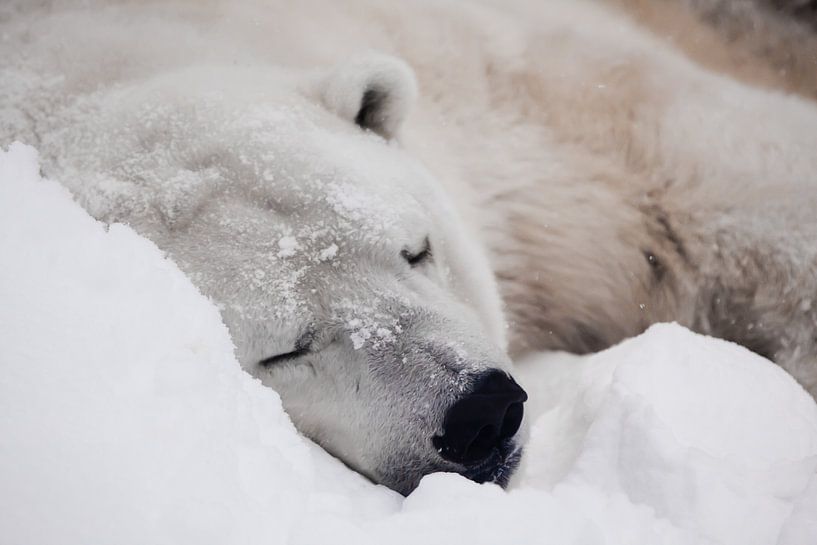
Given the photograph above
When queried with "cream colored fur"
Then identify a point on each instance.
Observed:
(616, 182)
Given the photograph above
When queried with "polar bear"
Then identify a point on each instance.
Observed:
(387, 199)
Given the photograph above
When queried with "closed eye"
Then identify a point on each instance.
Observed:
(417, 258)
(280, 358)
(303, 346)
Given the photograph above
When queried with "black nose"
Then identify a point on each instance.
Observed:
(478, 423)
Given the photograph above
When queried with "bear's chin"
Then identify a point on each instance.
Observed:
(498, 467)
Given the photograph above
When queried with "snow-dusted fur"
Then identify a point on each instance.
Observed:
(283, 156)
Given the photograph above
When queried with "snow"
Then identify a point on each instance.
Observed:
(328, 253)
(288, 245)
(124, 418)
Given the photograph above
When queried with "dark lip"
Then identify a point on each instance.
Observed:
(498, 467)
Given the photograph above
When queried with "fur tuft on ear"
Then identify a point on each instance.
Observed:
(374, 91)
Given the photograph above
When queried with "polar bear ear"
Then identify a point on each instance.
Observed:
(375, 92)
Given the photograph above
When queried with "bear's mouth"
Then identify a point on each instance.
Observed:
(498, 467)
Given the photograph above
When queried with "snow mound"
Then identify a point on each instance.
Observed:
(124, 418)
(714, 438)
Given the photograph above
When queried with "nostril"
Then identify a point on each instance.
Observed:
(484, 441)
(512, 420)
(480, 421)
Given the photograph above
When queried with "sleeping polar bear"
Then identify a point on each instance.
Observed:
(365, 241)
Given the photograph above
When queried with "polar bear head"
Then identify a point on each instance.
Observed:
(342, 269)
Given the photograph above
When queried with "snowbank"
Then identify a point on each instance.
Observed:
(124, 418)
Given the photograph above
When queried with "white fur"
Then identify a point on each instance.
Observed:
(605, 179)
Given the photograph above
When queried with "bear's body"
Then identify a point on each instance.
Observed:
(607, 182)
